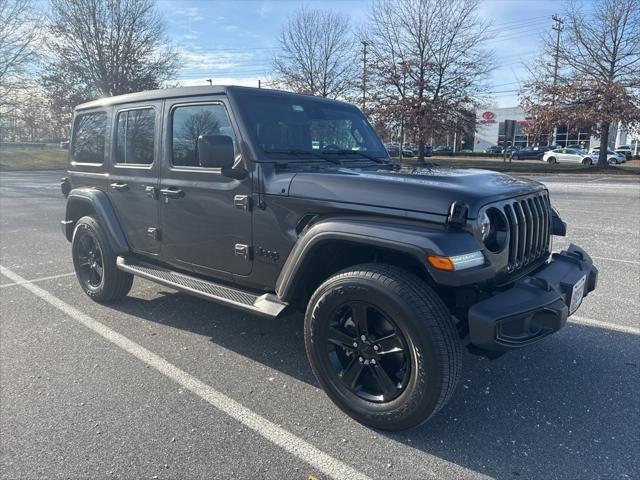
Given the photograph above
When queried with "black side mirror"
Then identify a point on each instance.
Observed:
(215, 151)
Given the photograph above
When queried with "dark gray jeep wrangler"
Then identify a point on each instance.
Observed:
(264, 200)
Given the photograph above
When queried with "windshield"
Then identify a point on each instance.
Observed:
(308, 128)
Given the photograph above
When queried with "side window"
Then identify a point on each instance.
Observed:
(135, 137)
(89, 131)
(189, 123)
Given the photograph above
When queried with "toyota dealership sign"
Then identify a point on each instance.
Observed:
(488, 117)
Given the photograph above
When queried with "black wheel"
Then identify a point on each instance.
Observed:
(95, 263)
(552, 160)
(587, 161)
(383, 346)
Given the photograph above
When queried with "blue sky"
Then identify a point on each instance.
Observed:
(233, 42)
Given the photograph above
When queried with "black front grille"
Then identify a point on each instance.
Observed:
(528, 223)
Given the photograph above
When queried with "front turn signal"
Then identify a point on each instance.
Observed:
(457, 262)
(441, 263)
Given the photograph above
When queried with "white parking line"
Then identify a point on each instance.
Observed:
(304, 451)
(633, 262)
(606, 325)
(41, 279)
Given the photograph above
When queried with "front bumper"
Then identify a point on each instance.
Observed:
(535, 306)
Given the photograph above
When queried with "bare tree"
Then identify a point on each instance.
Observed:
(598, 82)
(18, 37)
(318, 53)
(428, 65)
(105, 47)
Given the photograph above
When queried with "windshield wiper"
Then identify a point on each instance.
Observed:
(355, 152)
(299, 151)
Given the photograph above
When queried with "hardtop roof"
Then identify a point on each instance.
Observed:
(180, 92)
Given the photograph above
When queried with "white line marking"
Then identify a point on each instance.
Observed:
(633, 262)
(605, 325)
(41, 279)
(304, 451)
(603, 212)
(582, 185)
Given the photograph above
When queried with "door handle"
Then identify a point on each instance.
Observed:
(172, 192)
(120, 187)
(151, 192)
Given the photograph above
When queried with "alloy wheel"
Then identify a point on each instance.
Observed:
(368, 352)
(90, 260)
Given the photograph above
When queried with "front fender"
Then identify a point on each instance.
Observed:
(416, 240)
(91, 201)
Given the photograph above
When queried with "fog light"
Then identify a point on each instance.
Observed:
(457, 262)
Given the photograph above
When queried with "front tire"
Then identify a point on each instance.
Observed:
(383, 346)
(95, 263)
(552, 160)
(587, 162)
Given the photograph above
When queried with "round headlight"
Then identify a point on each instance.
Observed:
(485, 225)
(495, 236)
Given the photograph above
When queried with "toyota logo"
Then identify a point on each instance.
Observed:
(488, 115)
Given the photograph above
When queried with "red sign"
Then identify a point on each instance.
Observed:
(488, 117)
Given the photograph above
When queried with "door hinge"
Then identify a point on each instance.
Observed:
(154, 233)
(243, 202)
(243, 251)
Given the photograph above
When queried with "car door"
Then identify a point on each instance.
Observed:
(569, 155)
(133, 175)
(205, 215)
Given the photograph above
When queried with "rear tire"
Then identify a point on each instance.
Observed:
(95, 263)
(383, 345)
(587, 162)
(552, 160)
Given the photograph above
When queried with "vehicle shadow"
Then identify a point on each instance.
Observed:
(565, 408)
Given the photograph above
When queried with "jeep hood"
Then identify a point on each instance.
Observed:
(427, 190)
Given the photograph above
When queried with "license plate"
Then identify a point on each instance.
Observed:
(576, 294)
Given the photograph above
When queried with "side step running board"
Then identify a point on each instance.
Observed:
(267, 304)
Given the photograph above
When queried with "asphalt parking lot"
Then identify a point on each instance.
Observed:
(164, 385)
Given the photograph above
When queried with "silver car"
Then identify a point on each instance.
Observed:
(569, 155)
(613, 157)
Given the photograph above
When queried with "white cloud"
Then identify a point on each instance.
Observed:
(193, 60)
(265, 9)
(192, 13)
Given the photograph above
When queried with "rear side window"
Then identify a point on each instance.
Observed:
(135, 137)
(89, 132)
(189, 123)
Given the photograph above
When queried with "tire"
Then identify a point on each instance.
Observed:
(552, 160)
(419, 349)
(95, 263)
(587, 161)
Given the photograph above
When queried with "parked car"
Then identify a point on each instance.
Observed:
(394, 150)
(534, 153)
(576, 146)
(428, 149)
(398, 271)
(442, 149)
(569, 155)
(613, 156)
(494, 149)
(625, 150)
